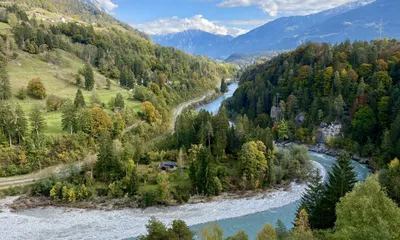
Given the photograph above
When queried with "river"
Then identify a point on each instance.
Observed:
(248, 214)
(214, 105)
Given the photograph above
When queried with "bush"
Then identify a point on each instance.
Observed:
(43, 186)
(56, 191)
(54, 102)
(22, 93)
(36, 89)
(149, 197)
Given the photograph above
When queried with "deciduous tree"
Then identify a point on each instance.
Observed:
(367, 213)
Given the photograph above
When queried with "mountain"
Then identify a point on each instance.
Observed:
(375, 20)
(243, 59)
(194, 41)
(271, 35)
(95, 3)
(357, 20)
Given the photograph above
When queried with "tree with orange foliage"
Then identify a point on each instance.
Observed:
(36, 89)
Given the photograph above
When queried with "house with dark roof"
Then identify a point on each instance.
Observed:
(168, 166)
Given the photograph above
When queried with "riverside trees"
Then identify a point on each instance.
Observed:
(320, 199)
(214, 148)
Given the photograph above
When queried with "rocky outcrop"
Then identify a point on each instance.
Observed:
(328, 130)
(323, 149)
(300, 118)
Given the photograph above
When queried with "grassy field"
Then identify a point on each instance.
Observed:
(58, 81)
(4, 28)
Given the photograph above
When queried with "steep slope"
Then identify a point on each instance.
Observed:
(64, 59)
(96, 4)
(354, 86)
(193, 41)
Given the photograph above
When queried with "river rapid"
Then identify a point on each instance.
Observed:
(248, 214)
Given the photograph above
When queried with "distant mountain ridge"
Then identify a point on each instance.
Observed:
(193, 41)
(357, 20)
(273, 35)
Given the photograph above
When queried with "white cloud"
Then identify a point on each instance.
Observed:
(250, 22)
(290, 7)
(108, 5)
(176, 24)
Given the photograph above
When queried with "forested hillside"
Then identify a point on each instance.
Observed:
(71, 75)
(356, 85)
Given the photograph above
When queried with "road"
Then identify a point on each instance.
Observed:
(185, 105)
(64, 169)
(59, 170)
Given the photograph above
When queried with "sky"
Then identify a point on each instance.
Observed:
(224, 17)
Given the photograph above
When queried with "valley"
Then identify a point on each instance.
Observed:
(107, 132)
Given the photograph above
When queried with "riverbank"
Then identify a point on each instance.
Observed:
(322, 148)
(70, 223)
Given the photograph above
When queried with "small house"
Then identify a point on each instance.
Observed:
(168, 166)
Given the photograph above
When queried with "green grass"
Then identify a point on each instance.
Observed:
(4, 28)
(58, 82)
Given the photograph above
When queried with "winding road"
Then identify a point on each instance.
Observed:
(64, 169)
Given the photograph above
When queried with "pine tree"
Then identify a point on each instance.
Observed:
(119, 101)
(301, 223)
(38, 123)
(8, 120)
(281, 230)
(130, 81)
(224, 86)
(341, 181)
(21, 124)
(69, 117)
(79, 100)
(221, 126)
(133, 182)
(78, 80)
(5, 88)
(89, 78)
(108, 166)
(311, 200)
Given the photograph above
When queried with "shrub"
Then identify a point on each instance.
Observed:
(56, 191)
(43, 186)
(54, 102)
(149, 197)
(36, 89)
(22, 93)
